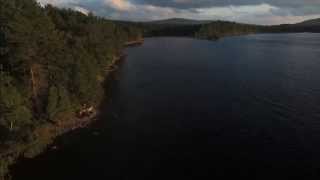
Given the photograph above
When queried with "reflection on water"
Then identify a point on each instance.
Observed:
(184, 108)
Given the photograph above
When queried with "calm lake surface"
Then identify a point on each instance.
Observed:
(192, 109)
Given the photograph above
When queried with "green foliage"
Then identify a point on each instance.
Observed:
(218, 29)
(50, 61)
(58, 101)
(54, 56)
(15, 113)
(53, 100)
(4, 168)
(85, 80)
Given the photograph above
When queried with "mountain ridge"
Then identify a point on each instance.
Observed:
(185, 21)
(180, 21)
(310, 22)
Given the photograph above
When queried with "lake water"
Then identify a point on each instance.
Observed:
(193, 109)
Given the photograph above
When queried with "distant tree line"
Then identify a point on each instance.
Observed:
(291, 28)
(154, 30)
(213, 30)
(219, 29)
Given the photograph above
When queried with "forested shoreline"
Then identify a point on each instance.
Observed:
(53, 63)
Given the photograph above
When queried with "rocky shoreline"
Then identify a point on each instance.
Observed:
(47, 133)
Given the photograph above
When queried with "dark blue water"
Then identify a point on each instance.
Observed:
(193, 109)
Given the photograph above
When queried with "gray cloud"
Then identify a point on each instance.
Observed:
(296, 7)
(183, 4)
(250, 11)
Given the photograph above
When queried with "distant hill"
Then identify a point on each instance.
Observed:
(190, 27)
(180, 21)
(312, 22)
(312, 25)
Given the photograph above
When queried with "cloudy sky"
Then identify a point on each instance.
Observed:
(248, 11)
